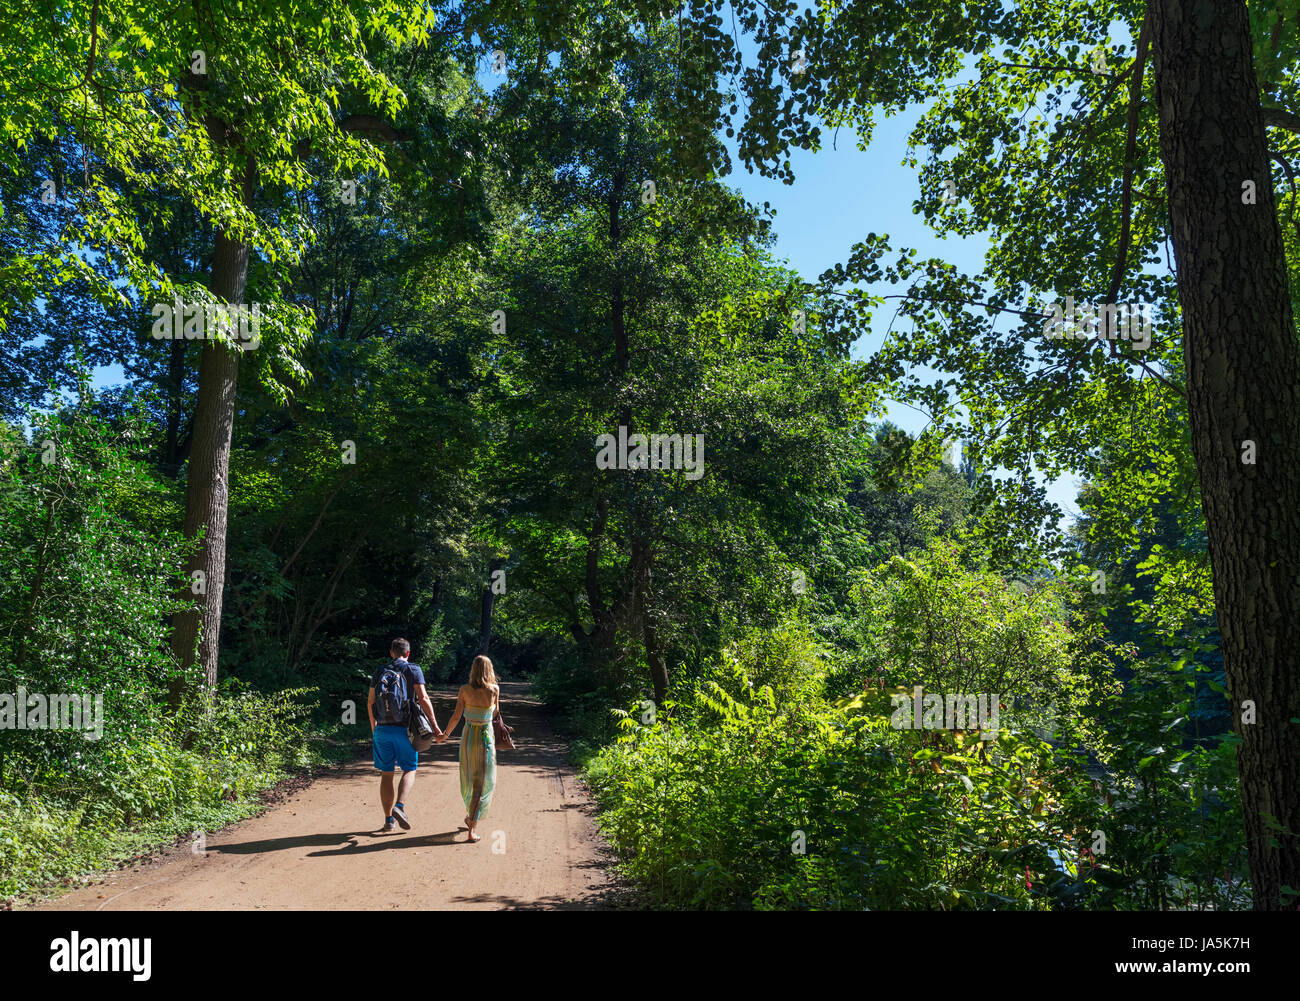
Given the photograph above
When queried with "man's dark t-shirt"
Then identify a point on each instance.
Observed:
(414, 676)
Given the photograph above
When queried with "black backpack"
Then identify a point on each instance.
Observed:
(418, 728)
(393, 695)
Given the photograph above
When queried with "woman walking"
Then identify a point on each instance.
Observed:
(479, 701)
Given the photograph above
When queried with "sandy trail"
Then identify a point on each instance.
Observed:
(321, 850)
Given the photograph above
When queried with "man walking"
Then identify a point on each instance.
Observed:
(392, 689)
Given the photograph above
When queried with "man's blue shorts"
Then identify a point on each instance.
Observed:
(393, 745)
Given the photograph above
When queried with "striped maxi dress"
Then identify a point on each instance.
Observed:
(478, 760)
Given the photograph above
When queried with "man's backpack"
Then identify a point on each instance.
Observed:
(393, 696)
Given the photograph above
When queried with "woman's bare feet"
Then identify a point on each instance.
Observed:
(474, 837)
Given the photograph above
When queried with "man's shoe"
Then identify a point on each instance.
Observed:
(402, 819)
(390, 825)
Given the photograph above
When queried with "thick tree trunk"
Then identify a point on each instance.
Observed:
(1243, 385)
(207, 489)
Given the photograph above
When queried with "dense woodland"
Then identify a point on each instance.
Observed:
(480, 236)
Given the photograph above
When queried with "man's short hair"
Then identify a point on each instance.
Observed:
(400, 647)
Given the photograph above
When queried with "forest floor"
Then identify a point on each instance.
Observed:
(322, 848)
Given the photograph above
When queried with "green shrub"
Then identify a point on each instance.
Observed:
(940, 620)
(88, 575)
(758, 788)
(148, 789)
(739, 797)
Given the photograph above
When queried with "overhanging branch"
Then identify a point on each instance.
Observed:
(1130, 155)
(1280, 118)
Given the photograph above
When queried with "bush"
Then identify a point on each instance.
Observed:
(88, 575)
(756, 790)
(580, 698)
(941, 621)
(766, 796)
(86, 588)
(153, 787)
(753, 802)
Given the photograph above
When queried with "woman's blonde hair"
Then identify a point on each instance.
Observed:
(481, 674)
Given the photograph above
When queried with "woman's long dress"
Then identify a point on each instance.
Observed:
(478, 761)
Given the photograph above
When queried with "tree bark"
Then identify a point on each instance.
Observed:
(175, 390)
(654, 653)
(1243, 384)
(603, 619)
(592, 577)
(207, 488)
(486, 608)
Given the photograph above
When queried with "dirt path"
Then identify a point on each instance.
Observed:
(320, 849)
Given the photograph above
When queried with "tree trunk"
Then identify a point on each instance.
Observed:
(1243, 384)
(592, 578)
(618, 302)
(603, 619)
(207, 489)
(485, 611)
(654, 654)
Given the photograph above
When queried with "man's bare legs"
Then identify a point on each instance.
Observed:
(404, 787)
(387, 797)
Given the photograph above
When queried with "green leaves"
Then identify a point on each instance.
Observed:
(784, 802)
